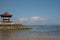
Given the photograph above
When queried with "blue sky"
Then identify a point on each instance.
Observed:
(41, 12)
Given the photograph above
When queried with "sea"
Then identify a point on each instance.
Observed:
(38, 32)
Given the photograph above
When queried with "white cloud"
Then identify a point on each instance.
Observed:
(37, 19)
(32, 19)
(23, 19)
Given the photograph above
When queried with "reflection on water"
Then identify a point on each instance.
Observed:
(37, 33)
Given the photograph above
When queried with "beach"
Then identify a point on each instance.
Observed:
(37, 33)
(35, 37)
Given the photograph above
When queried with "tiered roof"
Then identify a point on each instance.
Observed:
(6, 15)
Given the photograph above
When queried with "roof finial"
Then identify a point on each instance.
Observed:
(6, 12)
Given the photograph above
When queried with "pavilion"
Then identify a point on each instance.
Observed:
(7, 24)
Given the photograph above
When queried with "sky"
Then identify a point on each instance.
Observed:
(32, 12)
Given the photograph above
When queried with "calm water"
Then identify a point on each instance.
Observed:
(38, 32)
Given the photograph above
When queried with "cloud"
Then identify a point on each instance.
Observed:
(23, 19)
(37, 19)
(32, 19)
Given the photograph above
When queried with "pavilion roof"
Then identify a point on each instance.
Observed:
(6, 15)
